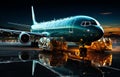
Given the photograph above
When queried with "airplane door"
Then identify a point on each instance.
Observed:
(71, 28)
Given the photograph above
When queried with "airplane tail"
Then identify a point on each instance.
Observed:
(33, 16)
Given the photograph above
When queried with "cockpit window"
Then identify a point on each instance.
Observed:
(93, 23)
(88, 23)
(83, 23)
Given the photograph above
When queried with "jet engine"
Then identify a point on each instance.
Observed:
(24, 37)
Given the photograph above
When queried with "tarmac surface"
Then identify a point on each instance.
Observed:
(12, 66)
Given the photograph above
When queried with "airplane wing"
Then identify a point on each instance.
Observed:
(24, 36)
(18, 32)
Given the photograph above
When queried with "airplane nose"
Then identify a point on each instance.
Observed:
(99, 31)
(96, 32)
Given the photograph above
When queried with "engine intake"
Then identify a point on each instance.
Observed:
(24, 37)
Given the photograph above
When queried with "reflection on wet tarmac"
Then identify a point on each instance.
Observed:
(96, 53)
(97, 59)
(61, 63)
(69, 62)
(55, 59)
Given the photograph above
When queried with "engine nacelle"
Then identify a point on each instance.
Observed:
(24, 37)
(46, 34)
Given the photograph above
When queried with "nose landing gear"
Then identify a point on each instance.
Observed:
(83, 52)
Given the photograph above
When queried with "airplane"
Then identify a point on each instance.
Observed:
(82, 29)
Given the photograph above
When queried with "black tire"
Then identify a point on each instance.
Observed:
(34, 44)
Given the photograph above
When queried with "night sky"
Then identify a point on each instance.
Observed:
(19, 11)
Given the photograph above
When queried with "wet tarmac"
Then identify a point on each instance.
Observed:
(72, 68)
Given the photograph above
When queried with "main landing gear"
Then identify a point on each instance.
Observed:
(83, 52)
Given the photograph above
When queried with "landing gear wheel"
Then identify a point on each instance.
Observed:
(83, 52)
(34, 44)
(77, 53)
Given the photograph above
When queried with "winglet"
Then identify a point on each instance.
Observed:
(33, 16)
